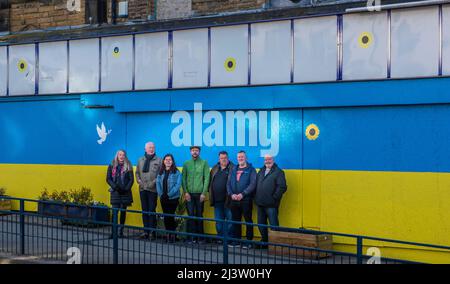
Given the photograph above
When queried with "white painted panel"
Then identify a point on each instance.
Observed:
(365, 38)
(84, 65)
(152, 61)
(415, 42)
(446, 40)
(53, 67)
(229, 56)
(190, 58)
(271, 53)
(117, 63)
(22, 62)
(315, 49)
(3, 70)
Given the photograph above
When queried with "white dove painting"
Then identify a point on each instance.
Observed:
(102, 133)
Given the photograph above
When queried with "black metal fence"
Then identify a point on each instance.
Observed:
(76, 240)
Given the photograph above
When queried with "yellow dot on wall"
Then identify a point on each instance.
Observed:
(116, 52)
(365, 39)
(230, 64)
(312, 132)
(22, 65)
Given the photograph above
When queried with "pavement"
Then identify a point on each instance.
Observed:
(48, 240)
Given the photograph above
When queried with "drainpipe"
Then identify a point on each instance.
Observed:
(113, 12)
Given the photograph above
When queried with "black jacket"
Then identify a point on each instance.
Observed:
(270, 188)
(121, 190)
(213, 173)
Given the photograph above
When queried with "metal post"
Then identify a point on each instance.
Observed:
(115, 236)
(359, 250)
(22, 226)
(225, 241)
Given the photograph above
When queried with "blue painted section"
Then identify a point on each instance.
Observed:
(64, 132)
(402, 138)
(62, 129)
(364, 93)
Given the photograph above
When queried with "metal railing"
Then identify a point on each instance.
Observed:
(69, 239)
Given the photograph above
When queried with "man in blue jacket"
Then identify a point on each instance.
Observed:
(241, 187)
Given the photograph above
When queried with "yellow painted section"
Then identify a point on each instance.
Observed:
(408, 206)
(27, 181)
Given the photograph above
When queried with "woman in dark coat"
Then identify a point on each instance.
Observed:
(120, 178)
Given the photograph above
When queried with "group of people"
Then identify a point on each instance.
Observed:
(232, 190)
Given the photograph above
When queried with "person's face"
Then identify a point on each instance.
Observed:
(168, 162)
(268, 162)
(150, 148)
(223, 160)
(242, 159)
(121, 157)
(195, 152)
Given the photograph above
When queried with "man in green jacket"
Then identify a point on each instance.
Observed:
(195, 188)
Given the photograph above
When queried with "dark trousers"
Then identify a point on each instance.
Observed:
(195, 209)
(123, 215)
(169, 206)
(239, 209)
(221, 212)
(265, 213)
(149, 201)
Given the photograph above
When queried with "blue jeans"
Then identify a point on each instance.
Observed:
(222, 213)
(265, 213)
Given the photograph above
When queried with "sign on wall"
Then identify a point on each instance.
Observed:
(53, 67)
(315, 49)
(190, 58)
(3, 70)
(152, 61)
(84, 68)
(229, 56)
(415, 42)
(365, 38)
(22, 70)
(271, 52)
(117, 63)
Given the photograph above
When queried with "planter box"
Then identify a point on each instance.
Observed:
(319, 241)
(77, 215)
(5, 205)
(51, 209)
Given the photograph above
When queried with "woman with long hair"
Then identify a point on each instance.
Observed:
(168, 184)
(120, 179)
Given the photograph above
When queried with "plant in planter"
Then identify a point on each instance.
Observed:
(74, 204)
(5, 204)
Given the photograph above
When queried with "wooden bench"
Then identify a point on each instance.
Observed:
(319, 241)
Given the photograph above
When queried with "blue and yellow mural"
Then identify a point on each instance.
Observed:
(376, 163)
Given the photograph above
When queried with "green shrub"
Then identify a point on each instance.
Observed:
(82, 196)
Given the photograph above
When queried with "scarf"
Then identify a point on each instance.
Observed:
(118, 171)
(148, 158)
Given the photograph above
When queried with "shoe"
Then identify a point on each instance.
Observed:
(247, 246)
(143, 236)
(219, 242)
(233, 245)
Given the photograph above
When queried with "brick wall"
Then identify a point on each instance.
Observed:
(205, 7)
(31, 15)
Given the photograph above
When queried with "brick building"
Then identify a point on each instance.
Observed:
(26, 15)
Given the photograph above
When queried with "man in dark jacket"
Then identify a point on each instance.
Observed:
(147, 170)
(218, 196)
(241, 187)
(270, 187)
